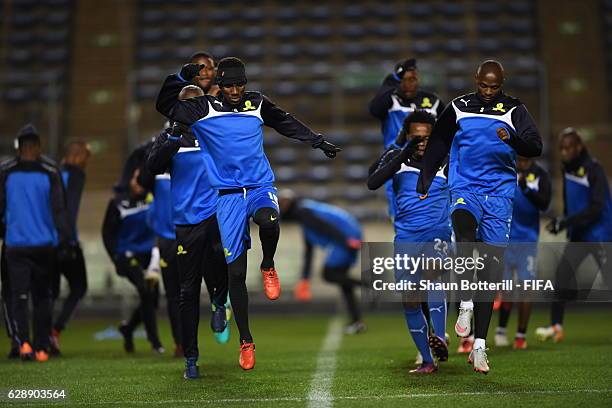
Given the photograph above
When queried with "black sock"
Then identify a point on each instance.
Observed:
(504, 314)
(557, 312)
(492, 272)
(239, 296)
(269, 232)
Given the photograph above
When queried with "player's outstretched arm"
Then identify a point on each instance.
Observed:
(309, 219)
(438, 146)
(389, 164)
(185, 111)
(526, 141)
(162, 151)
(285, 124)
(307, 263)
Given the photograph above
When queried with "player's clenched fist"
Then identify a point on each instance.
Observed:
(189, 71)
(503, 134)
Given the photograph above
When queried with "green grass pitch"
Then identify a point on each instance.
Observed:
(369, 370)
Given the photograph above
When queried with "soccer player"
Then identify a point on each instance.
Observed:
(418, 220)
(483, 131)
(587, 217)
(533, 194)
(339, 234)
(230, 127)
(33, 214)
(129, 240)
(200, 254)
(205, 79)
(73, 176)
(399, 96)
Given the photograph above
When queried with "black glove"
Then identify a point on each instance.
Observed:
(556, 225)
(410, 147)
(404, 66)
(189, 71)
(329, 149)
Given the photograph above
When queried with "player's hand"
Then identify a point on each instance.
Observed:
(329, 149)
(503, 134)
(189, 71)
(353, 243)
(556, 225)
(402, 67)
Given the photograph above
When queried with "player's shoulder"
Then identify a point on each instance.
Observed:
(465, 100)
(510, 101)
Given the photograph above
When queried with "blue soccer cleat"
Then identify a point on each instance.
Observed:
(192, 371)
(218, 321)
(224, 336)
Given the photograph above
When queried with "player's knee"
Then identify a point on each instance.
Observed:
(266, 218)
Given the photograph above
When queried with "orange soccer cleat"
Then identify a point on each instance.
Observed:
(247, 355)
(25, 351)
(42, 356)
(520, 343)
(271, 283)
(301, 292)
(465, 345)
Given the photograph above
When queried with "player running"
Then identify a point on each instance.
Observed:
(339, 233)
(33, 216)
(200, 255)
(399, 96)
(587, 217)
(230, 127)
(483, 131)
(73, 268)
(533, 194)
(128, 240)
(421, 222)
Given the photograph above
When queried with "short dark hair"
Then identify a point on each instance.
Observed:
(231, 62)
(419, 116)
(202, 54)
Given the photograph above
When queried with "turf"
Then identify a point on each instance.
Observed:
(371, 369)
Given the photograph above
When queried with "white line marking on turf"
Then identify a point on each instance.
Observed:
(346, 397)
(319, 394)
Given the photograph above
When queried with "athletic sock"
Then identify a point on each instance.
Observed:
(519, 335)
(466, 304)
(504, 314)
(500, 331)
(437, 312)
(480, 343)
(417, 325)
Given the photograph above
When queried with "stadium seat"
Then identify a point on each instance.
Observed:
(520, 26)
(487, 8)
(453, 28)
(150, 54)
(422, 47)
(522, 44)
(420, 30)
(455, 46)
(184, 16)
(55, 37)
(287, 32)
(286, 88)
(353, 31)
(253, 14)
(356, 154)
(152, 16)
(356, 194)
(19, 38)
(181, 54)
(339, 137)
(319, 13)
(390, 49)
(147, 91)
(320, 87)
(286, 174)
(319, 174)
(17, 95)
(253, 52)
(284, 155)
(151, 35)
(385, 30)
(219, 15)
(526, 82)
(385, 11)
(354, 11)
(287, 14)
(57, 18)
(221, 51)
(456, 85)
(318, 193)
(288, 50)
(20, 56)
(54, 55)
(185, 34)
(320, 50)
(371, 136)
(286, 69)
(355, 49)
(24, 19)
(519, 7)
(253, 33)
(356, 172)
(220, 33)
(315, 156)
(451, 9)
(489, 45)
(420, 10)
(489, 27)
(320, 32)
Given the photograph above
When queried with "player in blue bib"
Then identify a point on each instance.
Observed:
(422, 226)
(230, 127)
(483, 132)
(533, 194)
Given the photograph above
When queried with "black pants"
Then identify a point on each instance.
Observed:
(199, 255)
(170, 276)
(133, 269)
(566, 285)
(75, 272)
(340, 276)
(30, 270)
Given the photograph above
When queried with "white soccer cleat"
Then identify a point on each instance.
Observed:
(464, 322)
(478, 358)
(501, 340)
(419, 359)
(545, 333)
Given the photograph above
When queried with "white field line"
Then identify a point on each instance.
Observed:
(345, 398)
(319, 394)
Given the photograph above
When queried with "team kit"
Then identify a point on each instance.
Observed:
(456, 176)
